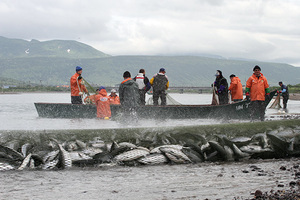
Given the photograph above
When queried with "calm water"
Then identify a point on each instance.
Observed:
(191, 181)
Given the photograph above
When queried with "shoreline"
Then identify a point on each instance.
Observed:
(292, 96)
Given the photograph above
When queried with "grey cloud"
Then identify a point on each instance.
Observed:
(254, 29)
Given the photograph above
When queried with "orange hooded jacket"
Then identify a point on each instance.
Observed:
(258, 87)
(103, 104)
(114, 100)
(236, 88)
(76, 85)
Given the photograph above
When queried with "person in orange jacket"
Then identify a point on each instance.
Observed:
(236, 88)
(103, 104)
(114, 98)
(257, 88)
(77, 87)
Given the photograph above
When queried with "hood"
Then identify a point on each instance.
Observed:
(220, 74)
(128, 81)
(237, 79)
(103, 92)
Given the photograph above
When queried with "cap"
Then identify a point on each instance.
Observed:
(256, 67)
(101, 87)
(126, 74)
(113, 91)
(162, 70)
(232, 75)
(78, 68)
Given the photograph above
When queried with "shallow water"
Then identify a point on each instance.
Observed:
(191, 181)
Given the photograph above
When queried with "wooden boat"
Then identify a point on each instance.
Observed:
(239, 110)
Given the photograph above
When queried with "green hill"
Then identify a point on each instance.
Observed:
(16, 48)
(100, 69)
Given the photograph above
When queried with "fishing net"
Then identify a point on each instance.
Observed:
(276, 103)
(170, 101)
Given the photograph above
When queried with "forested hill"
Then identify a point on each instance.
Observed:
(54, 62)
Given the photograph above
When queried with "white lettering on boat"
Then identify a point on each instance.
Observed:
(240, 107)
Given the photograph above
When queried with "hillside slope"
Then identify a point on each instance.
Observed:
(17, 48)
(50, 63)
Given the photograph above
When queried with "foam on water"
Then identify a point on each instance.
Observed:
(17, 112)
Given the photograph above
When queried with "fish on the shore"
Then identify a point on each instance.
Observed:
(153, 159)
(131, 155)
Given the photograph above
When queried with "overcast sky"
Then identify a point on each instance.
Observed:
(265, 30)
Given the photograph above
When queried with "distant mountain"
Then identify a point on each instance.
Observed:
(17, 48)
(55, 67)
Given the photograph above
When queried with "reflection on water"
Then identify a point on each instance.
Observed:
(17, 112)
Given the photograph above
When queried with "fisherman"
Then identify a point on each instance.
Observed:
(285, 95)
(160, 84)
(129, 94)
(144, 85)
(221, 88)
(114, 98)
(236, 88)
(103, 104)
(77, 87)
(257, 90)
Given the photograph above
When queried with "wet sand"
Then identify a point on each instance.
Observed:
(234, 180)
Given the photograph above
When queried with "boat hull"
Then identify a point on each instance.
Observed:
(65, 110)
(239, 110)
(233, 111)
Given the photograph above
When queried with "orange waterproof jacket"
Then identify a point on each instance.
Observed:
(103, 104)
(258, 87)
(76, 85)
(114, 100)
(236, 88)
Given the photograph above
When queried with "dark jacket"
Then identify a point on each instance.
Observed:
(159, 82)
(129, 93)
(222, 88)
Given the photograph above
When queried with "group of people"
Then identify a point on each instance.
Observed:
(257, 90)
(132, 92)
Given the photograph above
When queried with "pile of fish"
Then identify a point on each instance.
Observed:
(193, 148)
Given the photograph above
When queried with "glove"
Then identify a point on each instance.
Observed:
(247, 96)
(268, 96)
(79, 77)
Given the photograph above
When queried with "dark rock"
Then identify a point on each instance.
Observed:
(283, 168)
(293, 183)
